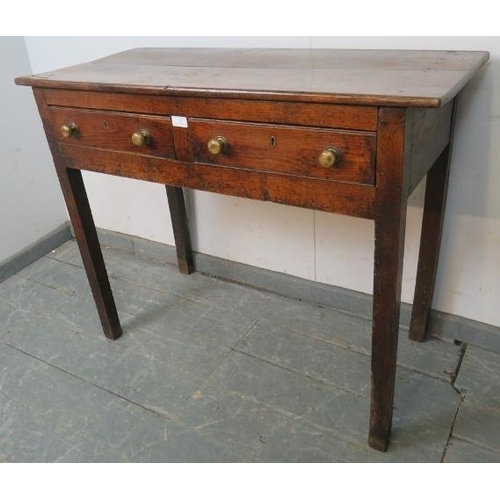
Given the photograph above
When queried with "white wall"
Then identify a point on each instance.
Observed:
(325, 247)
(30, 203)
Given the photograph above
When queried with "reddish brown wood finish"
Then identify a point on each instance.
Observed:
(435, 197)
(294, 113)
(428, 132)
(180, 226)
(80, 214)
(430, 242)
(327, 196)
(114, 131)
(177, 205)
(362, 102)
(85, 232)
(390, 217)
(290, 150)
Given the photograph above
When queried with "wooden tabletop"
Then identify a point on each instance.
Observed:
(361, 77)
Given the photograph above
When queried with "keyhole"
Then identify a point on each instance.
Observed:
(272, 141)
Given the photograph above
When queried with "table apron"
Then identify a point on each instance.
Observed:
(292, 113)
(328, 196)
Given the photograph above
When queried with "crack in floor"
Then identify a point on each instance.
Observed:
(463, 349)
(235, 348)
(450, 435)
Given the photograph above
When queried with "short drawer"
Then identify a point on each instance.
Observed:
(114, 131)
(286, 149)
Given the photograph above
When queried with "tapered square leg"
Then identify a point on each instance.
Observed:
(86, 236)
(386, 307)
(430, 242)
(180, 226)
(390, 218)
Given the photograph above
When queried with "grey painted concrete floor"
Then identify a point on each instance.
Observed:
(210, 371)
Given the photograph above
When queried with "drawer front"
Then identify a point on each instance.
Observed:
(286, 149)
(113, 131)
(248, 110)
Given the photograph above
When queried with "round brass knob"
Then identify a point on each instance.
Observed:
(329, 157)
(217, 145)
(141, 137)
(69, 129)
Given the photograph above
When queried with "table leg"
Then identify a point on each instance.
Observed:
(180, 226)
(390, 218)
(430, 240)
(86, 236)
(80, 214)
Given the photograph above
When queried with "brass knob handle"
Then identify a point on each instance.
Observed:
(329, 157)
(69, 129)
(141, 137)
(217, 145)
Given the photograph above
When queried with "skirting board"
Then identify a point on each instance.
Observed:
(33, 252)
(441, 325)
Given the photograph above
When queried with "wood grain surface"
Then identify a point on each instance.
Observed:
(361, 77)
(277, 109)
(390, 217)
(328, 196)
(80, 213)
(114, 131)
(430, 238)
(294, 113)
(290, 150)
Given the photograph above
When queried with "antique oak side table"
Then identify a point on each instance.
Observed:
(345, 131)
